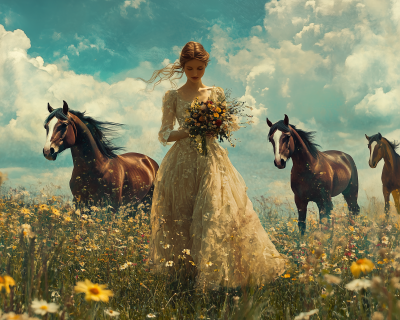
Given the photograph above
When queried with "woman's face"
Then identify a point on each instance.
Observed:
(194, 70)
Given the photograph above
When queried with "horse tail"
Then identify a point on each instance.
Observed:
(351, 192)
(154, 168)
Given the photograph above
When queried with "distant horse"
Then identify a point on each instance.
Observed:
(316, 176)
(380, 148)
(98, 172)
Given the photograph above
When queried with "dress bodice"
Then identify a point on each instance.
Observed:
(174, 108)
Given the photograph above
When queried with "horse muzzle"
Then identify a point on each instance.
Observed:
(282, 165)
(372, 165)
(51, 155)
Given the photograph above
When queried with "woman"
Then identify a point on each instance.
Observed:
(200, 212)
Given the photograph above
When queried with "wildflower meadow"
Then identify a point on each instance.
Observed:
(59, 262)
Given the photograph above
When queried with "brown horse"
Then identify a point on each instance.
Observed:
(316, 176)
(98, 172)
(380, 147)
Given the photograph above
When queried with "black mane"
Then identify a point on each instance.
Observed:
(376, 137)
(100, 130)
(306, 136)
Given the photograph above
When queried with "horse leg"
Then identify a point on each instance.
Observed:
(396, 197)
(321, 209)
(301, 205)
(324, 208)
(386, 196)
(350, 195)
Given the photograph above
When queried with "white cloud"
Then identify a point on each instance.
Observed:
(334, 40)
(381, 103)
(130, 4)
(316, 28)
(333, 7)
(56, 35)
(285, 89)
(256, 30)
(133, 3)
(85, 44)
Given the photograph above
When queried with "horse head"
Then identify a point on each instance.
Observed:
(282, 141)
(60, 132)
(375, 149)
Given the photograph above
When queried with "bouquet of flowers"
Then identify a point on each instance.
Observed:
(216, 118)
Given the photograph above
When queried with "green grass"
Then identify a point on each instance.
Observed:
(64, 248)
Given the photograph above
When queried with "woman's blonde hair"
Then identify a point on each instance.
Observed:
(191, 50)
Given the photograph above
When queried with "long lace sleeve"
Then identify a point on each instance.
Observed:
(168, 117)
(221, 96)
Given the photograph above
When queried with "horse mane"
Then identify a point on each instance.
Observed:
(306, 136)
(394, 145)
(100, 130)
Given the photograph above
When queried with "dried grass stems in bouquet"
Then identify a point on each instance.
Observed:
(218, 118)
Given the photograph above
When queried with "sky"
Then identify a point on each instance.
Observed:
(331, 65)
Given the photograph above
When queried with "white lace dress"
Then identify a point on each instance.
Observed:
(200, 203)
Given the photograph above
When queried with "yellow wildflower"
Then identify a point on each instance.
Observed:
(95, 292)
(361, 265)
(25, 211)
(43, 207)
(6, 282)
(216, 115)
(55, 212)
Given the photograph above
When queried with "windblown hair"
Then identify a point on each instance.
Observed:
(100, 130)
(306, 136)
(376, 137)
(191, 50)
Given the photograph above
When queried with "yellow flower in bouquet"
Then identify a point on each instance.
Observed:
(215, 118)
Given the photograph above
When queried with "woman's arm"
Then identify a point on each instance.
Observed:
(166, 134)
(176, 135)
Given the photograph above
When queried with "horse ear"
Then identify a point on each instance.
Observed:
(65, 108)
(366, 137)
(286, 120)
(379, 136)
(49, 108)
(269, 123)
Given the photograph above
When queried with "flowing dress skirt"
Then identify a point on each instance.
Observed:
(200, 204)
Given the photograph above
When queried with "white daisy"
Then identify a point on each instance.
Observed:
(358, 284)
(169, 263)
(42, 307)
(111, 313)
